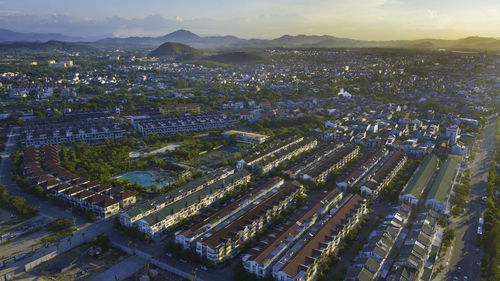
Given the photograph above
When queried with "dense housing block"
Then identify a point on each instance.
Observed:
(273, 156)
(304, 262)
(326, 165)
(219, 244)
(155, 223)
(271, 248)
(385, 173)
(72, 127)
(172, 125)
(187, 238)
(78, 191)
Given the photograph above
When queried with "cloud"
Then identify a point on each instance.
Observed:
(179, 19)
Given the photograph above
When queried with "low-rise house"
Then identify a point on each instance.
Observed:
(219, 244)
(261, 259)
(385, 173)
(303, 264)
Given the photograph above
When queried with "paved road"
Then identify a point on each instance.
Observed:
(464, 253)
(45, 208)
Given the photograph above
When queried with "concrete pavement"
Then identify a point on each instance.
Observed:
(463, 250)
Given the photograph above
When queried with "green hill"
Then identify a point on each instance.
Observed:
(175, 51)
(47, 47)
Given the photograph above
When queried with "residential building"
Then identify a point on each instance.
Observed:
(155, 223)
(172, 125)
(385, 173)
(72, 127)
(261, 258)
(303, 263)
(180, 108)
(247, 137)
(221, 243)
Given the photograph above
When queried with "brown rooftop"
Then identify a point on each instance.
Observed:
(229, 230)
(309, 251)
(306, 212)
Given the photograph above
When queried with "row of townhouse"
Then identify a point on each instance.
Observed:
(224, 241)
(187, 238)
(274, 159)
(385, 173)
(156, 223)
(356, 173)
(413, 256)
(146, 207)
(302, 260)
(372, 260)
(260, 152)
(271, 248)
(90, 195)
(337, 160)
(172, 125)
(76, 127)
(297, 168)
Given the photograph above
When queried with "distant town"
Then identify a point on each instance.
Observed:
(288, 164)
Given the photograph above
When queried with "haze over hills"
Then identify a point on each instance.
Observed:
(298, 41)
(235, 43)
(47, 47)
(12, 36)
(182, 52)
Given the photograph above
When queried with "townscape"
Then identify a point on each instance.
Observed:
(270, 164)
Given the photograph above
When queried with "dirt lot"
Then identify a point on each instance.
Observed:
(162, 275)
(77, 264)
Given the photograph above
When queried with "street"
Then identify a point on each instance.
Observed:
(463, 250)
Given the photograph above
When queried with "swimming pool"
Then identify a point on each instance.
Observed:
(147, 178)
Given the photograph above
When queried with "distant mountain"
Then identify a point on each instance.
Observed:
(46, 47)
(234, 43)
(175, 51)
(298, 41)
(182, 52)
(12, 36)
(181, 35)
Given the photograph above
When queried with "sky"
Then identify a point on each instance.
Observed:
(265, 19)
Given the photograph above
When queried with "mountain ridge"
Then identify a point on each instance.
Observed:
(230, 42)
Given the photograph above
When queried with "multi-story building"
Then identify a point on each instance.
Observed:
(261, 258)
(221, 243)
(155, 223)
(148, 206)
(187, 238)
(94, 196)
(328, 164)
(355, 174)
(180, 108)
(312, 159)
(385, 173)
(275, 155)
(74, 127)
(304, 260)
(172, 125)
